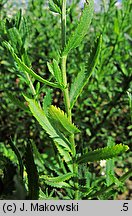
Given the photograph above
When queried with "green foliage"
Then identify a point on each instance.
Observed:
(83, 77)
(110, 164)
(104, 153)
(55, 71)
(60, 120)
(26, 69)
(32, 164)
(39, 114)
(82, 28)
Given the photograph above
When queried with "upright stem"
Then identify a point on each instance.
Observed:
(66, 93)
(32, 87)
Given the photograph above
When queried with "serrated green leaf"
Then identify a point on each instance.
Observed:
(39, 114)
(60, 178)
(55, 71)
(82, 28)
(83, 77)
(58, 185)
(26, 69)
(103, 153)
(60, 120)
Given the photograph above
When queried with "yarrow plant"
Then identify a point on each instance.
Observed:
(58, 123)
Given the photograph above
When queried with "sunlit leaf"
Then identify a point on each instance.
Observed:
(103, 153)
(82, 28)
(60, 120)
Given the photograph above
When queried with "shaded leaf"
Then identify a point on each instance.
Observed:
(17, 102)
(32, 173)
(65, 156)
(110, 165)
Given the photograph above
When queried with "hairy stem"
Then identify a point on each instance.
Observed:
(66, 93)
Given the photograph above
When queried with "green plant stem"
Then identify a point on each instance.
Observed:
(31, 84)
(32, 87)
(66, 93)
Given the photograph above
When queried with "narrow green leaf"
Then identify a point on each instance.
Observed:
(55, 71)
(82, 28)
(39, 114)
(103, 153)
(60, 120)
(18, 19)
(83, 77)
(58, 185)
(50, 67)
(57, 179)
(17, 153)
(14, 37)
(77, 87)
(26, 69)
(94, 56)
(54, 7)
(38, 157)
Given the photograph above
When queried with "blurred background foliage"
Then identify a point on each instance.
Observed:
(104, 110)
